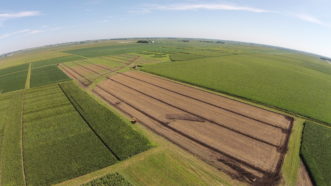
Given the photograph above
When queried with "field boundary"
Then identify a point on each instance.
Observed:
(22, 141)
(89, 125)
(28, 78)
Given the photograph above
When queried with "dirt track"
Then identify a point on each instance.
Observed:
(245, 141)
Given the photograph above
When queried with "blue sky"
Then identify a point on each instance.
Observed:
(298, 24)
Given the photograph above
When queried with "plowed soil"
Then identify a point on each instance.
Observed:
(245, 141)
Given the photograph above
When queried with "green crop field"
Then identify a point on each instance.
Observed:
(54, 61)
(11, 159)
(15, 69)
(58, 144)
(13, 81)
(47, 75)
(316, 151)
(13, 78)
(117, 134)
(114, 179)
(288, 81)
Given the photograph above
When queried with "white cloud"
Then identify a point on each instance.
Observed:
(20, 32)
(185, 7)
(19, 14)
(311, 19)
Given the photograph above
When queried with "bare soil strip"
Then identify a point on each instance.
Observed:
(244, 141)
(216, 100)
(303, 177)
(76, 75)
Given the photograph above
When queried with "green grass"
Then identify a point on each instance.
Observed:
(116, 133)
(11, 168)
(114, 179)
(13, 81)
(28, 78)
(163, 169)
(316, 151)
(47, 75)
(58, 144)
(295, 83)
(54, 61)
(292, 159)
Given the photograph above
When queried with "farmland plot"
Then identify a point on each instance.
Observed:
(292, 82)
(55, 61)
(13, 81)
(47, 75)
(13, 78)
(11, 166)
(316, 151)
(114, 132)
(58, 144)
(247, 142)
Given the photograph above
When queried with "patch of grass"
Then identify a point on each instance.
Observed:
(315, 150)
(11, 168)
(58, 146)
(292, 159)
(55, 61)
(280, 81)
(27, 81)
(47, 75)
(116, 133)
(162, 169)
(114, 179)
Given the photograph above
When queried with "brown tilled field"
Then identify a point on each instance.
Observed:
(85, 72)
(245, 141)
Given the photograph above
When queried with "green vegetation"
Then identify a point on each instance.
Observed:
(292, 159)
(58, 144)
(55, 61)
(292, 82)
(11, 159)
(102, 51)
(47, 75)
(19, 68)
(315, 150)
(116, 133)
(28, 78)
(13, 78)
(114, 179)
(13, 81)
(165, 169)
